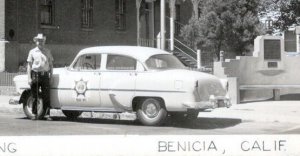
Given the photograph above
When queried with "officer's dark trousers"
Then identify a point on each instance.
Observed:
(40, 81)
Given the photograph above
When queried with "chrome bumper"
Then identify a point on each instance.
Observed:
(14, 100)
(214, 102)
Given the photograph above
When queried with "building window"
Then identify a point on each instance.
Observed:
(120, 10)
(47, 12)
(87, 13)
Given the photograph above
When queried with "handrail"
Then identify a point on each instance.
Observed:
(185, 46)
(185, 53)
(181, 24)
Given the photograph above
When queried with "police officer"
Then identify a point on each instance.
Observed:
(39, 70)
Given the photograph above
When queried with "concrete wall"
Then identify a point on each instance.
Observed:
(253, 70)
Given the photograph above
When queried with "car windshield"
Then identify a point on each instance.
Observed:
(164, 61)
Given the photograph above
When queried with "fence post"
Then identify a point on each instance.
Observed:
(297, 38)
(198, 59)
(221, 56)
(158, 42)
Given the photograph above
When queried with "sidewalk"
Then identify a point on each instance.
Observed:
(7, 108)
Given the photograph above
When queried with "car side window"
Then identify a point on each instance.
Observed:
(88, 62)
(119, 62)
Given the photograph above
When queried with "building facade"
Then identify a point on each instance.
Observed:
(73, 25)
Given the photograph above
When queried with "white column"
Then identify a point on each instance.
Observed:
(162, 24)
(2, 56)
(297, 38)
(297, 43)
(171, 34)
(2, 35)
(172, 18)
(158, 41)
(138, 5)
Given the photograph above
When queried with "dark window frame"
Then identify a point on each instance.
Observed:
(47, 12)
(120, 15)
(87, 11)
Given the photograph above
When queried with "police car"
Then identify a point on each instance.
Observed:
(149, 82)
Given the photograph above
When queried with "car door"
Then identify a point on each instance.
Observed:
(118, 82)
(80, 86)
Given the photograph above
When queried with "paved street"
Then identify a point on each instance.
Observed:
(269, 117)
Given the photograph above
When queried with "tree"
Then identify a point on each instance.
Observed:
(228, 25)
(289, 14)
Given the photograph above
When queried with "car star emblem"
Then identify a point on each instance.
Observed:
(81, 87)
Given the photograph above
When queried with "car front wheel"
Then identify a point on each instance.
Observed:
(28, 104)
(151, 112)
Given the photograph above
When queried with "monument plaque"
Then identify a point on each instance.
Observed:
(272, 50)
(272, 64)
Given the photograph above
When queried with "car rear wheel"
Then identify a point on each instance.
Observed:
(151, 112)
(27, 107)
(72, 114)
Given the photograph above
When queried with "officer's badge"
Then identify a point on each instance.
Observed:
(80, 88)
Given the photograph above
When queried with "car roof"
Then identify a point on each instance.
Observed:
(137, 52)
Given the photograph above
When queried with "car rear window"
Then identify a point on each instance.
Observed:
(119, 62)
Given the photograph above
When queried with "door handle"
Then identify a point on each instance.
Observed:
(97, 73)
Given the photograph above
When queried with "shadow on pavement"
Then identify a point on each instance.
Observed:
(290, 97)
(199, 123)
(204, 123)
(285, 97)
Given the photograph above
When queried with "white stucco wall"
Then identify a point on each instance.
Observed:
(253, 70)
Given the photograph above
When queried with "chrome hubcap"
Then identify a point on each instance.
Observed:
(151, 109)
(30, 105)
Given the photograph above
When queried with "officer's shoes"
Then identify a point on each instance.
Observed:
(48, 118)
(34, 118)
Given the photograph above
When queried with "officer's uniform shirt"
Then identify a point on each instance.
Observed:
(40, 60)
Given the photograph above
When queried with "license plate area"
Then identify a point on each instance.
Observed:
(221, 103)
